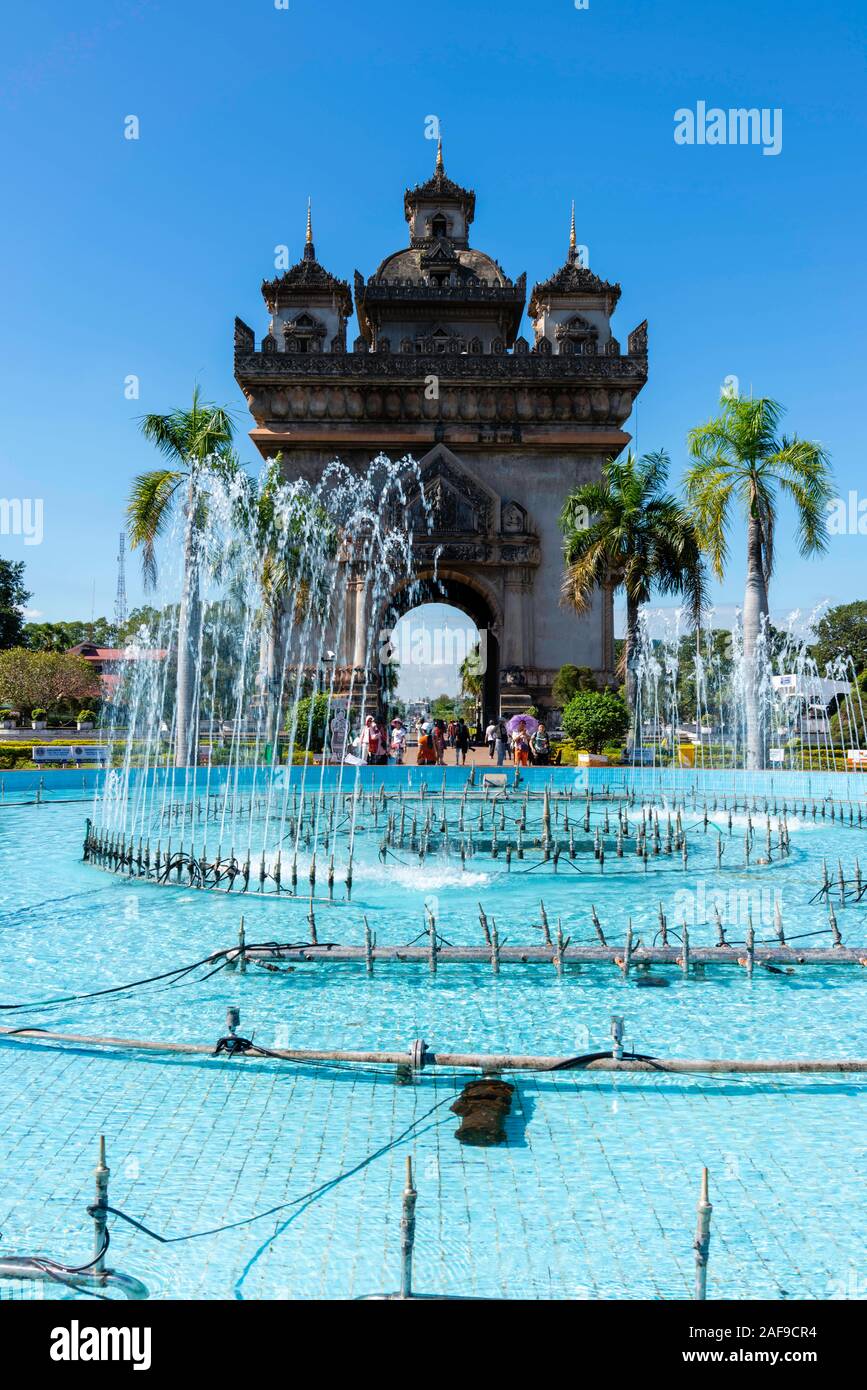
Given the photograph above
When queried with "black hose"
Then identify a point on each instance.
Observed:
(175, 975)
(296, 1201)
(575, 1063)
(178, 971)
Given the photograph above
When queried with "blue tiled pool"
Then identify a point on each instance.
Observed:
(594, 1193)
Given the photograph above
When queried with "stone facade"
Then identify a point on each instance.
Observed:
(502, 430)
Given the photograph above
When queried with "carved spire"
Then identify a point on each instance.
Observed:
(440, 166)
(573, 244)
(309, 249)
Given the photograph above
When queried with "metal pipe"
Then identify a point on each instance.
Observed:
(407, 1232)
(19, 1267)
(543, 954)
(702, 1238)
(100, 1214)
(470, 1060)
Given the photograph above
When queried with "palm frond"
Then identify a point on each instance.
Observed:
(804, 474)
(710, 487)
(148, 514)
(639, 536)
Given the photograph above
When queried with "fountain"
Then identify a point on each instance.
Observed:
(691, 695)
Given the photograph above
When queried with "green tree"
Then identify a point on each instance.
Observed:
(309, 718)
(593, 718)
(472, 674)
(626, 532)
(740, 462)
(448, 707)
(568, 681)
(47, 680)
(198, 443)
(59, 637)
(146, 617)
(842, 632)
(48, 637)
(13, 597)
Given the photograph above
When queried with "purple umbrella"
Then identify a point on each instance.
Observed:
(530, 724)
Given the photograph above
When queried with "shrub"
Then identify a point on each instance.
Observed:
(569, 681)
(593, 718)
(85, 716)
(39, 714)
(309, 717)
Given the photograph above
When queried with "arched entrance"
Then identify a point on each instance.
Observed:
(460, 592)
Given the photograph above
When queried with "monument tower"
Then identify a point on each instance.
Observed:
(502, 428)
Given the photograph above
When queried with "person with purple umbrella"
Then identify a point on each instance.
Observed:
(521, 744)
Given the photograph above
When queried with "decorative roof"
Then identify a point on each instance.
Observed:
(306, 278)
(572, 278)
(440, 189)
(416, 262)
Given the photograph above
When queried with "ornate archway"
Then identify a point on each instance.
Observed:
(472, 596)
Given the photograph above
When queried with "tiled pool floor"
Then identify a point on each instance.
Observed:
(593, 1196)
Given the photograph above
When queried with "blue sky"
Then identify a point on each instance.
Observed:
(132, 257)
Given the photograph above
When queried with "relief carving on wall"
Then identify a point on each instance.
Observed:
(514, 518)
(453, 504)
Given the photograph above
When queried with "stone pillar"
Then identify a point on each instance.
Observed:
(516, 643)
(358, 597)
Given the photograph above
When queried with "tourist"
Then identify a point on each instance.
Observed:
(426, 750)
(398, 740)
(439, 741)
(521, 745)
(382, 752)
(491, 737)
(452, 734)
(540, 746)
(501, 741)
(462, 742)
(370, 740)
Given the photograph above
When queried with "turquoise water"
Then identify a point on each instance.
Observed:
(593, 1195)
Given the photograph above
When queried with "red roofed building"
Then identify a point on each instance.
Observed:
(107, 661)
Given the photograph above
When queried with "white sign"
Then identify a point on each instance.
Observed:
(64, 753)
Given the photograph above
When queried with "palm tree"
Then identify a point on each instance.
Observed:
(626, 532)
(740, 462)
(196, 442)
(472, 674)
